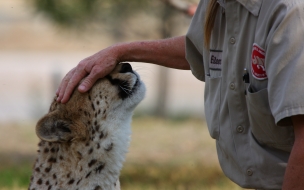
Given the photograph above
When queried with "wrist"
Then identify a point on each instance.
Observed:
(127, 51)
(116, 51)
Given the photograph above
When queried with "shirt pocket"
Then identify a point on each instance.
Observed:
(212, 105)
(262, 122)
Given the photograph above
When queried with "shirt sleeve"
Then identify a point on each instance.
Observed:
(285, 62)
(194, 41)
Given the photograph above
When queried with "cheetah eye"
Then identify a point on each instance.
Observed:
(123, 87)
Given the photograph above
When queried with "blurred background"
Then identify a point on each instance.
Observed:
(41, 40)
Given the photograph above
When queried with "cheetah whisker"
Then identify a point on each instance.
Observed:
(127, 91)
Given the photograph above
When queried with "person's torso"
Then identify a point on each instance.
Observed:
(253, 151)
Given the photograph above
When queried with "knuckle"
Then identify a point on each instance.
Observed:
(69, 74)
(71, 83)
(85, 62)
(82, 63)
(95, 71)
(80, 66)
(87, 82)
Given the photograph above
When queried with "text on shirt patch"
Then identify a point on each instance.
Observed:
(258, 63)
(215, 60)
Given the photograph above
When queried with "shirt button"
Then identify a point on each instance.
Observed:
(240, 129)
(232, 40)
(232, 86)
(249, 172)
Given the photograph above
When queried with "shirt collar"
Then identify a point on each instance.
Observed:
(222, 3)
(252, 6)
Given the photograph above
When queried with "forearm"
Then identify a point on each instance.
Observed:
(294, 178)
(168, 52)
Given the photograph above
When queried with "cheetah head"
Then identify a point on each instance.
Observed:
(111, 99)
(84, 142)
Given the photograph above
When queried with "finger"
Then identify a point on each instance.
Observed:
(57, 91)
(96, 73)
(63, 84)
(78, 75)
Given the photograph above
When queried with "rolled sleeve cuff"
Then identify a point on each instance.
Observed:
(283, 118)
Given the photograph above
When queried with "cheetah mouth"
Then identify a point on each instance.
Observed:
(126, 80)
(125, 89)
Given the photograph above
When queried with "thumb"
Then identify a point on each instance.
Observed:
(89, 81)
(86, 84)
(95, 74)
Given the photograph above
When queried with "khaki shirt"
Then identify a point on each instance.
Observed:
(252, 129)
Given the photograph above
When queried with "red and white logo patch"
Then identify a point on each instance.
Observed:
(258, 63)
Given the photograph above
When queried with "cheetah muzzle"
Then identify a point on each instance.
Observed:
(84, 142)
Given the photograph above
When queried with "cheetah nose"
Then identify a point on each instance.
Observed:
(125, 68)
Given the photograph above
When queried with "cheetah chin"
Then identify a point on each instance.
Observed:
(84, 142)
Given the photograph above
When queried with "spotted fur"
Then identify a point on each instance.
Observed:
(84, 142)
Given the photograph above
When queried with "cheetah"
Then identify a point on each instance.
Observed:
(83, 143)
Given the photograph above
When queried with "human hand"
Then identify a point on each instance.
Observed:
(191, 9)
(89, 69)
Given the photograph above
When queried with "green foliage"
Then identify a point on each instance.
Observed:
(15, 176)
(80, 12)
(66, 12)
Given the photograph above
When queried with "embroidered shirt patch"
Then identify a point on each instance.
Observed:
(215, 60)
(258, 63)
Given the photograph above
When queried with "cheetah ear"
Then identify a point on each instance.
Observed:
(52, 129)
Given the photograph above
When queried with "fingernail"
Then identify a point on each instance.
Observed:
(82, 88)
